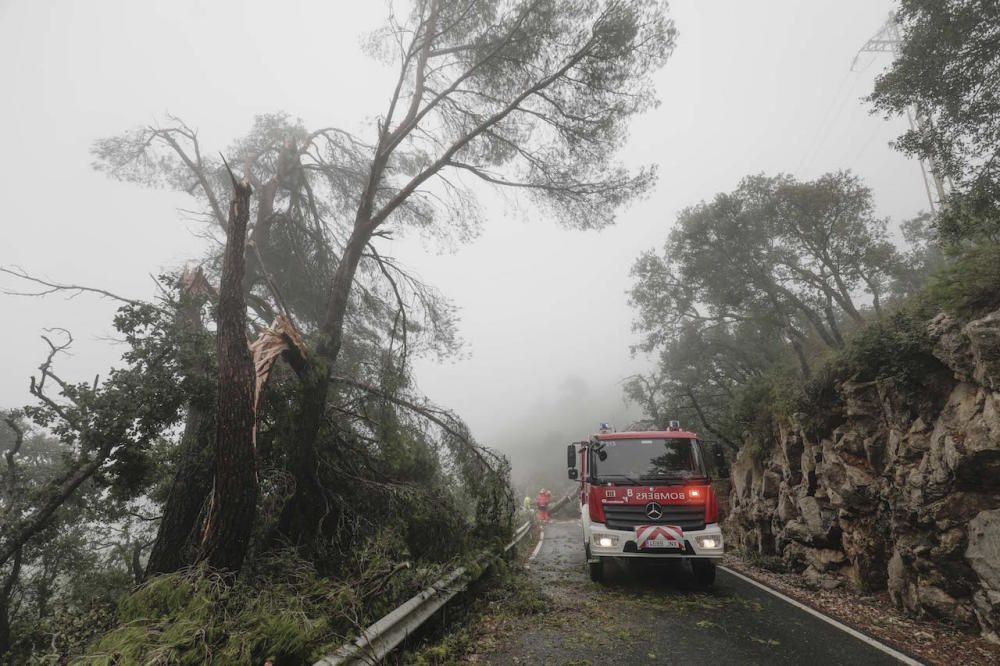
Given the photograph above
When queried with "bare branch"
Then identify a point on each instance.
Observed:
(54, 287)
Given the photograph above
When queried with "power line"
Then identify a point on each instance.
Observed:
(888, 40)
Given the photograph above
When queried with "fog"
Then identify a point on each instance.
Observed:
(752, 87)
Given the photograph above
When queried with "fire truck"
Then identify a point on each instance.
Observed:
(646, 495)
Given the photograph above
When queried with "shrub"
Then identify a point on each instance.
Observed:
(967, 287)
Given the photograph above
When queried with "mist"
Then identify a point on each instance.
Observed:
(300, 300)
(750, 88)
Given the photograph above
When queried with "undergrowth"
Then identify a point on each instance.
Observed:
(477, 619)
(896, 350)
(283, 612)
(966, 287)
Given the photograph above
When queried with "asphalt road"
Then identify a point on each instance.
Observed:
(644, 615)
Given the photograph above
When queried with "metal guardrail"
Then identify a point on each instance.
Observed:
(377, 641)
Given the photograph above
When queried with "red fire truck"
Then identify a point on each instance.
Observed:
(646, 495)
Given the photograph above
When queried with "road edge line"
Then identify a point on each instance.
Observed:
(538, 546)
(896, 654)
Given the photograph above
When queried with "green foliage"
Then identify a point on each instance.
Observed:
(92, 538)
(967, 287)
(947, 71)
(923, 257)
(283, 610)
(532, 95)
(745, 281)
(896, 349)
(759, 404)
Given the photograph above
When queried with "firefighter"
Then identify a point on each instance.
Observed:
(542, 502)
(526, 507)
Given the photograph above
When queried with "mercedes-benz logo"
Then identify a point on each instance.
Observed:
(654, 511)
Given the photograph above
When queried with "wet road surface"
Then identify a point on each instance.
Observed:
(649, 614)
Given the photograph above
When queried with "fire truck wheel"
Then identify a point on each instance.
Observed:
(596, 571)
(704, 572)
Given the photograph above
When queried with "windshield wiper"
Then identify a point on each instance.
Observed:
(633, 481)
(670, 480)
(673, 478)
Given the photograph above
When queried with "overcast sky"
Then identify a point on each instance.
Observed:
(754, 86)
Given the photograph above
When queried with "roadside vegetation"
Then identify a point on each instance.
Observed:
(210, 501)
(764, 297)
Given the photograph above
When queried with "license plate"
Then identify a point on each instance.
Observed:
(659, 536)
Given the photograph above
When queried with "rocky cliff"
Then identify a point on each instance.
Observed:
(895, 489)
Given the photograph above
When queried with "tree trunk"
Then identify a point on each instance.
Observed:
(234, 498)
(831, 320)
(192, 484)
(176, 537)
(801, 356)
(302, 516)
(708, 426)
(6, 641)
(5, 637)
(845, 300)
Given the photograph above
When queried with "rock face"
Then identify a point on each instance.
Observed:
(900, 491)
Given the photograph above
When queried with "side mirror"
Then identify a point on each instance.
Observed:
(571, 457)
(572, 473)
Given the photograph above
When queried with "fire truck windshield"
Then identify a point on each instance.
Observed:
(638, 461)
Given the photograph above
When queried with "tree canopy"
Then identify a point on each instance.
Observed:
(948, 73)
(776, 263)
(531, 96)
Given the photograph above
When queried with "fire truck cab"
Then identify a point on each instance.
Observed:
(646, 495)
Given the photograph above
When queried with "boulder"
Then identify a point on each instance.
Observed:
(983, 551)
(984, 347)
(939, 604)
(986, 604)
(825, 559)
(821, 581)
(900, 587)
(861, 399)
(770, 484)
(951, 346)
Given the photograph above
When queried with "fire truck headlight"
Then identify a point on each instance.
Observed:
(605, 540)
(709, 542)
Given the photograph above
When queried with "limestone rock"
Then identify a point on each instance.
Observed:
(897, 496)
(983, 552)
(984, 346)
(951, 346)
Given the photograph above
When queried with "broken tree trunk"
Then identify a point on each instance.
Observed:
(231, 518)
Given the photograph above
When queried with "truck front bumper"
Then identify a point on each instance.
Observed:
(706, 544)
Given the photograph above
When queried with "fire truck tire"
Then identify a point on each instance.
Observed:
(704, 572)
(596, 571)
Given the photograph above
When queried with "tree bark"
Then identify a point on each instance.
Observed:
(801, 356)
(176, 543)
(8, 588)
(192, 484)
(708, 426)
(831, 320)
(302, 516)
(233, 511)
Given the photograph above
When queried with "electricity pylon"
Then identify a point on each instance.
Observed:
(888, 40)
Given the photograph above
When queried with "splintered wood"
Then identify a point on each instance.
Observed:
(272, 342)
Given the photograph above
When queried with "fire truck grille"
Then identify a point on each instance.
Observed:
(626, 517)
